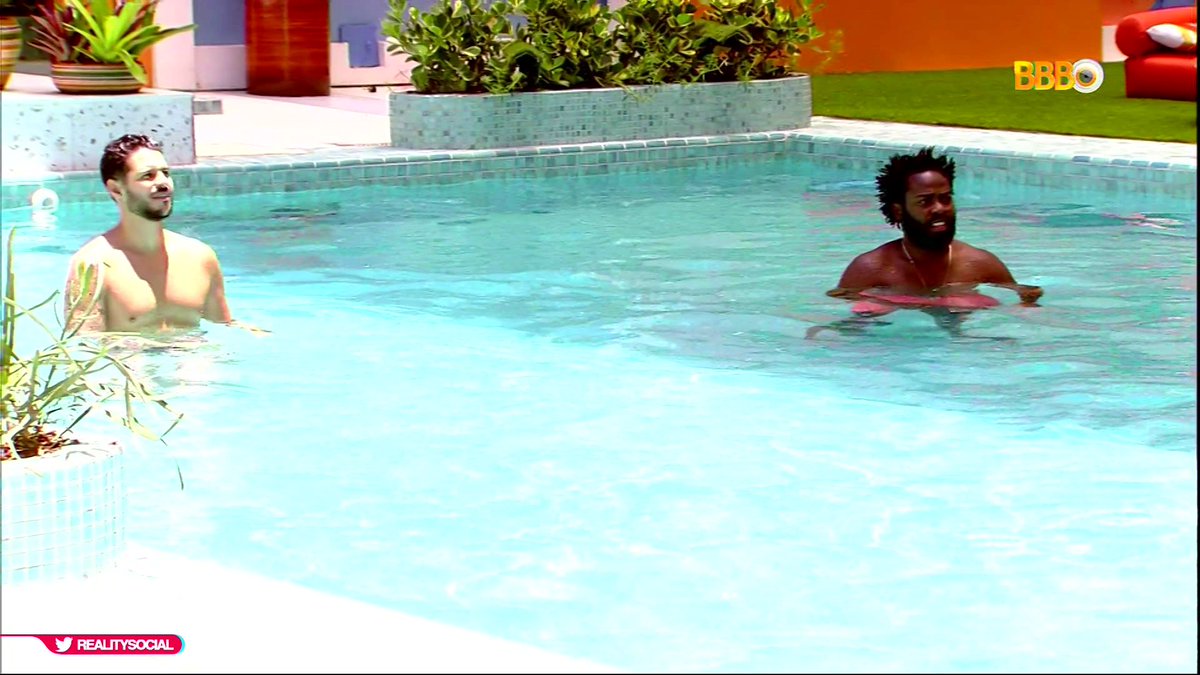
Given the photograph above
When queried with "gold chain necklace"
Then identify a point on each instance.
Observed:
(917, 268)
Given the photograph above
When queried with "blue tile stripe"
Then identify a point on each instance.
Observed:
(384, 165)
(571, 116)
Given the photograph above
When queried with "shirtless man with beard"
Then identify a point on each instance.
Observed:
(138, 276)
(926, 268)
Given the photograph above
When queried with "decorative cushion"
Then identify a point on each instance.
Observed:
(1178, 37)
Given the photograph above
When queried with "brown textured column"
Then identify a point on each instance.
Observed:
(287, 47)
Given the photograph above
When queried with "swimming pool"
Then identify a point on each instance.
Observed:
(582, 413)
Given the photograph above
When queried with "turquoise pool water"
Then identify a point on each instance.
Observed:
(583, 414)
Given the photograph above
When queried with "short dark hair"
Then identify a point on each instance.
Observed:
(892, 181)
(113, 163)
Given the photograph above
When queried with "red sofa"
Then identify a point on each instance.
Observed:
(1152, 70)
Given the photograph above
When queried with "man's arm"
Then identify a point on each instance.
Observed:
(996, 273)
(216, 308)
(862, 273)
(84, 299)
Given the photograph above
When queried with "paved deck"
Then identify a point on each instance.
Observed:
(236, 622)
(260, 125)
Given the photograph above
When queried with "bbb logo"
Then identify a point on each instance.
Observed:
(1084, 76)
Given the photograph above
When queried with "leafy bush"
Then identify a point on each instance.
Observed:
(457, 46)
(463, 46)
(656, 43)
(570, 40)
(749, 39)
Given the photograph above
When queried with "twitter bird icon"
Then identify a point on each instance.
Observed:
(63, 644)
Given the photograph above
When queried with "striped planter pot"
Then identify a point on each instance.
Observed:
(10, 47)
(93, 78)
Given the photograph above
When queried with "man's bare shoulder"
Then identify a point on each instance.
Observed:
(181, 243)
(184, 242)
(866, 270)
(980, 265)
(876, 257)
(965, 251)
(95, 251)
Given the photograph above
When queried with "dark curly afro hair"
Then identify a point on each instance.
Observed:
(892, 181)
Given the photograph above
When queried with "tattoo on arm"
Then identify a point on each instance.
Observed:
(83, 306)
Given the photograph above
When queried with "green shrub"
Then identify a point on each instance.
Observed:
(750, 39)
(656, 43)
(457, 46)
(570, 40)
(465, 46)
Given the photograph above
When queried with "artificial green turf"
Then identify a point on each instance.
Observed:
(986, 99)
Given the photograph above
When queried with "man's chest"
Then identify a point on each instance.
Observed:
(139, 292)
(901, 273)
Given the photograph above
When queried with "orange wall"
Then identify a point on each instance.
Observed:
(886, 35)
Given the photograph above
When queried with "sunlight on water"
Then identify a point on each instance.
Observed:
(583, 414)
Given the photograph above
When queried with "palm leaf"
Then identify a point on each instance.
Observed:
(108, 36)
(89, 17)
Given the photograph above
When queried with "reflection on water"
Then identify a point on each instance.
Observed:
(172, 363)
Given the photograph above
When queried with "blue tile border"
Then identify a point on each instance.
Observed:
(548, 118)
(343, 167)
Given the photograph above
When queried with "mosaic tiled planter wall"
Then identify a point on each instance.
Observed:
(46, 132)
(485, 121)
(62, 515)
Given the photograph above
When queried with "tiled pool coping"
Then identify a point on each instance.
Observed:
(1114, 165)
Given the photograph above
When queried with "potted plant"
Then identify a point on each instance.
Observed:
(519, 73)
(10, 35)
(62, 492)
(94, 45)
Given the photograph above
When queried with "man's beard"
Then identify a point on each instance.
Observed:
(151, 209)
(922, 237)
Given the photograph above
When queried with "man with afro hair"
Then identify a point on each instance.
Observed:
(926, 267)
